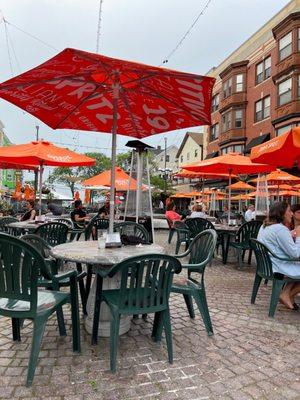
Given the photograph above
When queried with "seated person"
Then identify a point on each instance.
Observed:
(171, 214)
(54, 208)
(30, 214)
(78, 215)
(103, 211)
(249, 214)
(198, 212)
(276, 235)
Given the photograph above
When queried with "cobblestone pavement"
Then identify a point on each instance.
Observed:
(250, 355)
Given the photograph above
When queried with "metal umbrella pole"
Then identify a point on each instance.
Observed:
(41, 168)
(129, 183)
(229, 197)
(139, 183)
(150, 198)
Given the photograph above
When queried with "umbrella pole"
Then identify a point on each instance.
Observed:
(129, 185)
(139, 182)
(150, 197)
(229, 197)
(116, 88)
(40, 188)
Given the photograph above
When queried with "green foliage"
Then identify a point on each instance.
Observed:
(124, 161)
(159, 183)
(5, 207)
(102, 164)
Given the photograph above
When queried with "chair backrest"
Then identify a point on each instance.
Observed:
(66, 221)
(132, 229)
(247, 231)
(263, 259)
(202, 248)
(4, 221)
(53, 233)
(42, 247)
(95, 225)
(20, 264)
(197, 225)
(146, 282)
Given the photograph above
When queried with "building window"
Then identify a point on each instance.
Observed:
(239, 83)
(167, 158)
(285, 92)
(283, 129)
(237, 148)
(188, 156)
(263, 70)
(214, 132)
(196, 153)
(226, 121)
(227, 87)
(181, 158)
(298, 39)
(238, 118)
(262, 109)
(298, 86)
(285, 46)
(215, 103)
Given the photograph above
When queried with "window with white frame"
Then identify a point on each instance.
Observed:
(285, 92)
(196, 153)
(226, 121)
(239, 83)
(227, 88)
(237, 148)
(285, 46)
(188, 156)
(215, 103)
(214, 132)
(263, 70)
(238, 118)
(283, 129)
(262, 109)
(181, 158)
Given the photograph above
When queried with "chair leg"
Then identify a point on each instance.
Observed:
(171, 233)
(276, 289)
(243, 255)
(61, 322)
(239, 257)
(256, 284)
(75, 314)
(38, 332)
(266, 282)
(16, 329)
(97, 308)
(168, 332)
(114, 336)
(157, 326)
(249, 256)
(189, 303)
(88, 280)
(200, 298)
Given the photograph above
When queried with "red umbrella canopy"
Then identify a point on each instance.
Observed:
(232, 162)
(75, 90)
(42, 153)
(282, 151)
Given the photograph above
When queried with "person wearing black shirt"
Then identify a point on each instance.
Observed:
(30, 214)
(78, 215)
(103, 211)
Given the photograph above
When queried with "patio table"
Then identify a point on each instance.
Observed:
(225, 232)
(102, 261)
(24, 225)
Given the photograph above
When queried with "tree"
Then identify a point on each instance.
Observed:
(103, 163)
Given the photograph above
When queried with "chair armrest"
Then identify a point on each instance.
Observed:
(68, 274)
(186, 253)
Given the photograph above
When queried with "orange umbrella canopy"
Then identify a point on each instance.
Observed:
(283, 150)
(241, 186)
(289, 193)
(229, 163)
(43, 153)
(104, 179)
(278, 176)
(241, 197)
(281, 186)
(190, 174)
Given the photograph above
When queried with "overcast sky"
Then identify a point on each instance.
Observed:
(138, 30)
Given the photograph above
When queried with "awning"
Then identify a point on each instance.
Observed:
(212, 155)
(256, 141)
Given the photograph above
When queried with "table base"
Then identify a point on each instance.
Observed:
(105, 315)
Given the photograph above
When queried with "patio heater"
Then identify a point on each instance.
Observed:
(138, 205)
(262, 201)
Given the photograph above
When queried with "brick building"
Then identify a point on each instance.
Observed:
(257, 92)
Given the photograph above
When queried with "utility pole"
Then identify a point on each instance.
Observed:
(165, 168)
(36, 173)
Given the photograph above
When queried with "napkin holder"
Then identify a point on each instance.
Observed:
(113, 240)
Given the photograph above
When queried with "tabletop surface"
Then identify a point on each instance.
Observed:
(224, 227)
(88, 252)
(24, 224)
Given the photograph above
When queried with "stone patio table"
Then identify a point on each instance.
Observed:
(102, 261)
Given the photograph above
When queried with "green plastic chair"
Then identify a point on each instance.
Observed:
(129, 228)
(95, 225)
(200, 252)
(197, 225)
(145, 288)
(4, 221)
(247, 231)
(54, 233)
(21, 265)
(55, 279)
(264, 270)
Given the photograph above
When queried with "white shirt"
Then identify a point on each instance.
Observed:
(198, 214)
(249, 215)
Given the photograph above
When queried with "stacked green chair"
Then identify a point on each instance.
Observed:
(145, 288)
(55, 279)
(54, 233)
(264, 271)
(134, 229)
(21, 265)
(249, 230)
(95, 226)
(200, 252)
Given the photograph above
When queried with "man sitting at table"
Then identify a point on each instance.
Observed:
(78, 215)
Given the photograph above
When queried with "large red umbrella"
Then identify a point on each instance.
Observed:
(40, 154)
(80, 90)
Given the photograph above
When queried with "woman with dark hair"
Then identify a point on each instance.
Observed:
(276, 235)
(30, 214)
(171, 214)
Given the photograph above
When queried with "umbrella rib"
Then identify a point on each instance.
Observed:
(123, 94)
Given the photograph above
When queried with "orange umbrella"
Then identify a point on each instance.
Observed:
(283, 150)
(283, 187)
(104, 179)
(87, 196)
(289, 193)
(180, 195)
(41, 153)
(231, 163)
(190, 174)
(278, 176)
(241, 186)
(26, 192)
(241, 197)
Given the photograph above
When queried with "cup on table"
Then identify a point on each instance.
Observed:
(101, 240)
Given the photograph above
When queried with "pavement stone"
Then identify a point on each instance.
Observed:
(250, 355)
